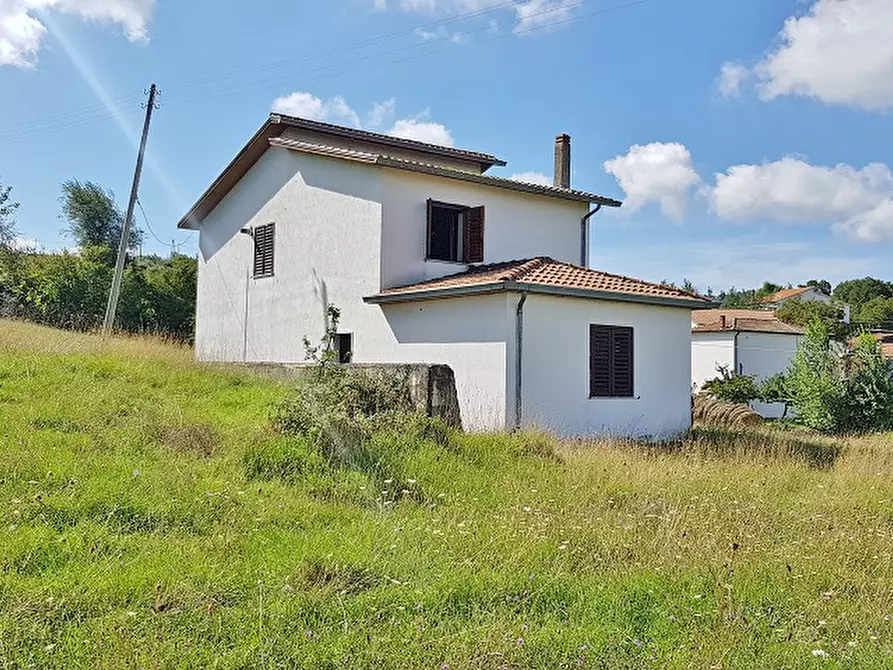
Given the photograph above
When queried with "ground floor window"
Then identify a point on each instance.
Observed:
(610, 361)
(344, 346)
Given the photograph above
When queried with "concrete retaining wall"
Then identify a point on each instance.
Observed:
(432, 388)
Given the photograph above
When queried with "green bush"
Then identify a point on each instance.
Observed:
(732, 387)
(838, 391)
(359, 420)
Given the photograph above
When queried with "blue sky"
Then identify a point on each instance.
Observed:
(749, 140)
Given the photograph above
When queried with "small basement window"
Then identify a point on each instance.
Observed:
(264, 243)
(610, 362)
(344, 346)
(455, 233)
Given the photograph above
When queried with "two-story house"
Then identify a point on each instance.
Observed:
(431, 260)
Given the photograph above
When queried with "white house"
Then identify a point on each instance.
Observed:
(416, 245)
(802, 293)
(749, 342)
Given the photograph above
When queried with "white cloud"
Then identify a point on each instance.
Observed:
(423, 131)
(530, 15)
(533, 178)
(381, 112)
(21, 32)
(875, 225)
(838, 52)
(534, 15)
(657, 172)
(731, 76)
(25, 244)
(857, 201)
(336, 110)
(308, 106)
(441, 34)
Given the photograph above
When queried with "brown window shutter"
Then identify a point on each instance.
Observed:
(474, 235)
(264, 250)
(599, 361)
(622, 363)
(611, 362)
(430, 234)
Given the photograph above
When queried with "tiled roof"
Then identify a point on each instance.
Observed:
(786, 294)
(439, 171)
(544, 275)
(887, 350)
(486, 160)
(705, 316)
(743, 325)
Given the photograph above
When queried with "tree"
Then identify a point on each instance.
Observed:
(877, 312)
(857, 292)
(766, 290)
(802, 313)
(8, 207)
(814, 381)
(94, 219)
(821, 284)
(688, 286)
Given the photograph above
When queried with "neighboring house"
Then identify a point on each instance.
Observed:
(749, 342)
(885, 338)
(803, 293)
(415, 244)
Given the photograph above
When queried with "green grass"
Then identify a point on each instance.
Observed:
(150, 517)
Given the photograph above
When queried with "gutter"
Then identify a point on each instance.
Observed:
(540, 289)
(519, 343)
(583, 237)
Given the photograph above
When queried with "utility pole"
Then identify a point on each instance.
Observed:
(128, 219)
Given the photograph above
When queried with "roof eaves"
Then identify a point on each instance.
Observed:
(237, 167)
(499, 182)
(526, 287)
(484, 159)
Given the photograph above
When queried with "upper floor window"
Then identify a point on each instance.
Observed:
(264, 243)
(610, 362)
(455, 233)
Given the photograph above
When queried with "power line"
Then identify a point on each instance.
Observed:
(267, 83)
(172, 246)
(95, 114)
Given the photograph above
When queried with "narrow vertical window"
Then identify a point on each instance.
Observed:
(611, 362)
(344, 343)
(264, 247)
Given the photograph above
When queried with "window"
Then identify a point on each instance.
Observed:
(263, 250)
(455, 233)
(610, 362)
(344, 345)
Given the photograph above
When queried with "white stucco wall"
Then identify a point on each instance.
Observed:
(709, 351)
(556, 368)
(328, 223)
(517, 225)
(764, 355)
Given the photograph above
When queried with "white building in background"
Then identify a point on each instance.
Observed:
(431, 260)
(749, 342)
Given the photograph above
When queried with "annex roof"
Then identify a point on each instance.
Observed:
(741, 321)
(542, 275)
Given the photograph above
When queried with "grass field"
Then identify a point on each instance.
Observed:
(138, 530)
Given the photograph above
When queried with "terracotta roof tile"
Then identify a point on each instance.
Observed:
(705, 316)
(786, 294)
(547, 273)
(739, 325)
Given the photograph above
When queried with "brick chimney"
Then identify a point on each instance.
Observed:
(563, 161)
(722, 321)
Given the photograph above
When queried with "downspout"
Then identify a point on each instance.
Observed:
(520, 358)
(583, 240)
